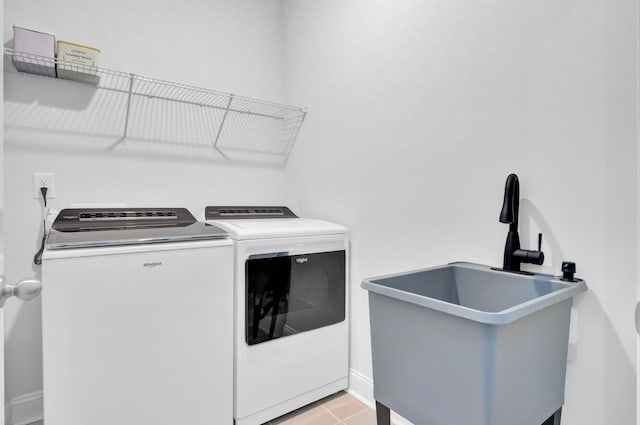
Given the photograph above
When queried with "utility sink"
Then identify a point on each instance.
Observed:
(476, 292)
(464, 343)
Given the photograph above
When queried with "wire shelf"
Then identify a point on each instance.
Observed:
(153, 110)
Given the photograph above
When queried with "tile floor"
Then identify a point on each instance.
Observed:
(338, 409)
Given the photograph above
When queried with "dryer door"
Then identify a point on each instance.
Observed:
(289, 294)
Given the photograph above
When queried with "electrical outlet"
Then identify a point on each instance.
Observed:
(47, 180)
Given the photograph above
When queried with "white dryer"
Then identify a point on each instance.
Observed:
(137, 319)
(291, 309)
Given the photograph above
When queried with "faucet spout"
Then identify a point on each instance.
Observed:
(511, 203)
(513, 255)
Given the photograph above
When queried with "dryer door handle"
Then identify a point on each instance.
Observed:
(26, 289)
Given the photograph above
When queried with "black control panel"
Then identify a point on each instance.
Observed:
(240, 212)
(92, 219)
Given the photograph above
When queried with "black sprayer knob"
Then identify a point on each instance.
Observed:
(568, 270)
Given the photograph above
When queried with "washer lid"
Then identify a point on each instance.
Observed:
(277, 228)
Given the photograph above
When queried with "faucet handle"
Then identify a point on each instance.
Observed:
(540, 242)
(568, 270)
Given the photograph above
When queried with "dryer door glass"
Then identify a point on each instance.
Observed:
(286, 295)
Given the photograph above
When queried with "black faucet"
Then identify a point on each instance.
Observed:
(513, 255)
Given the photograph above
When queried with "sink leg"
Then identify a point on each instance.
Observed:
(383, 414)
(554, 419)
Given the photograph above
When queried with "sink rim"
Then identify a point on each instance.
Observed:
(508, 315)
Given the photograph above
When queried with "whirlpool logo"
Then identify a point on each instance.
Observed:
(152, 264)
(301, 260)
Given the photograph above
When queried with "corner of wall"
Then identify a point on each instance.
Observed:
(361, 388)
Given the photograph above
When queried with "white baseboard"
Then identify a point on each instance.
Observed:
(25, 409)
(361, 387)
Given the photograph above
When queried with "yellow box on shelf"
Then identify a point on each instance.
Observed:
(78, 62)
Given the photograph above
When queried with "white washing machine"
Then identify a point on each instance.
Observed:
(137, 319)
(291, 309)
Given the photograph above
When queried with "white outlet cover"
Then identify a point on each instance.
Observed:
(49, 179)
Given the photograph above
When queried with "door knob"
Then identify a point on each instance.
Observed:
(26, 289)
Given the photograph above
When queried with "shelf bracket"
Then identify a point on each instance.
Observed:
(224, 118)
(126, 119)
(294, 136)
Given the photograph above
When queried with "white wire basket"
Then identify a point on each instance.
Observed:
(130, 112)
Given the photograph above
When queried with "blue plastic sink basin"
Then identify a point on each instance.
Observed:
(476, 292)
(465, 344)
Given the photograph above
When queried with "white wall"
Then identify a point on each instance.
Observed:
(420, 109)
(228, 45)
